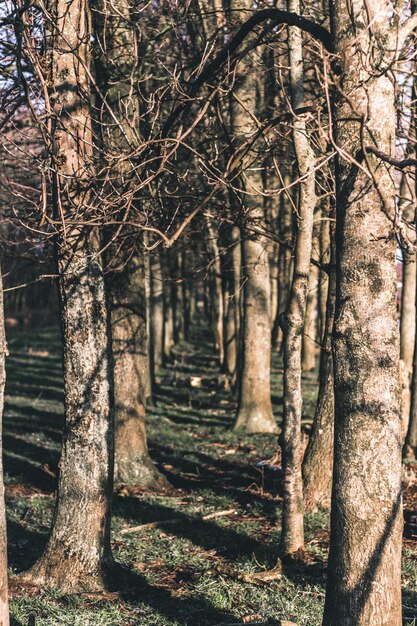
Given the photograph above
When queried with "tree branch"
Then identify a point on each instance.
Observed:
(390, 160)
(406, 29)
(278, 17)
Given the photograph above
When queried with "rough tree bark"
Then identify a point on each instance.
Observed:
(254, 412)
(78, 555)
(364, 572)
(292, 535)
(4, 593)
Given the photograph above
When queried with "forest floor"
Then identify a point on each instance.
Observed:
(192, 550)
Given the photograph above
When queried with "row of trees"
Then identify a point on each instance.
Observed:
(162, 141)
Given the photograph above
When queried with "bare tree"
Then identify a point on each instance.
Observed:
(364, 584)
(78, 554)
(292, 537)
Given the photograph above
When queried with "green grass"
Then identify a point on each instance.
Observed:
(187, 568)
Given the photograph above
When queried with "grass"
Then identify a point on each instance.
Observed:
(189, 569)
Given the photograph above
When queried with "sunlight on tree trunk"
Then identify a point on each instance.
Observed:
(292, 534)
(364, 575)
(78, 554)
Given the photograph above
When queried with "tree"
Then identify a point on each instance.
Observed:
(78, 554)
(292, 536)
(117, 121)
(364, 575)
(254, 412)
(131, 376)
(408, 303)
(4, 594)
(157, 312)
(318, 459)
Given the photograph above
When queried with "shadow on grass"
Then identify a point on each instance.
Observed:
(409, 599)
(25, 546)
(203, 533)
(190, 610)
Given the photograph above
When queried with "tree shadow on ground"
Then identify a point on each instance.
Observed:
(25, 546)
(236, 479)
(409, 599)
(190, 609)
(206, 534)
(226, 541)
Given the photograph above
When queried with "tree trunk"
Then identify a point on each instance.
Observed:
(408, 306)
(292, 534)
(186, 296)
(284, 264)
(157, 313)
(216, 291)
(4, 593)
(254, 403)
(273, 275)
(408, 325)
(318, 459)
(131, 376)
(231, 275)
(309, 348)
(254, 411)
(410, 446)
(78, 555)
(168, 308)
(364, 572)
(176, 295)
(325, 254)
(115, 63)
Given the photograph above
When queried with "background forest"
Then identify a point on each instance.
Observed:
(208, 370)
